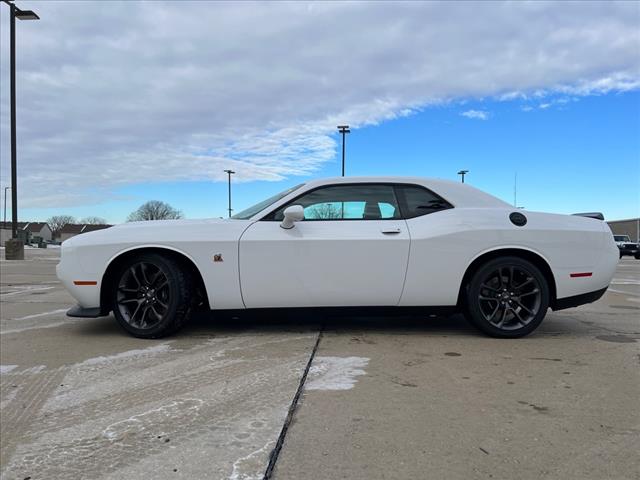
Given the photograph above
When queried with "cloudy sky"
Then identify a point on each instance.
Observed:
(119, 103)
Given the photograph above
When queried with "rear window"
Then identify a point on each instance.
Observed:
(416, 201)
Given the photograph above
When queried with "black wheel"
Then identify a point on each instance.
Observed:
(507, 297)
(637, 256)
(152, 296)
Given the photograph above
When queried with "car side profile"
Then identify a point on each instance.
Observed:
(346, 242)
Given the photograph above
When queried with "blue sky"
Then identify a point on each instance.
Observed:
(574, 154)
(121, 102)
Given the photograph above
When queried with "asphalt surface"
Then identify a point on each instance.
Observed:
(385, 397)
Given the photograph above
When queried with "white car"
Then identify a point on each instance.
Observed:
(346, 242)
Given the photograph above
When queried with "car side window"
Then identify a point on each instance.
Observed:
(346, 202)
(416, 201)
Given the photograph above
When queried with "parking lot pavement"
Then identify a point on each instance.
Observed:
(385, 397)
(81, 399)
(439, 401)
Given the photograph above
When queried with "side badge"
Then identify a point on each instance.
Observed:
(218, 257)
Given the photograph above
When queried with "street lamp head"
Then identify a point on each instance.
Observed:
(344, 129)
(230, 172)
(26, 15)
(463, 172)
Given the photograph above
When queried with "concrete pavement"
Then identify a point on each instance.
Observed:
(386, 397)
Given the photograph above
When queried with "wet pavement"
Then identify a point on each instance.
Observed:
(385, 397)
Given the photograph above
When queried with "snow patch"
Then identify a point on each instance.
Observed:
(7, 368)
(137, 424)
(250, 466)
(335, 373)
(156, 349)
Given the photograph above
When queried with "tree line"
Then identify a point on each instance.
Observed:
(151, 210)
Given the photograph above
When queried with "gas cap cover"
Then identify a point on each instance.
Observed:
(518, 219)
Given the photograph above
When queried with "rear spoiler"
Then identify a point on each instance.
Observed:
(596, 215)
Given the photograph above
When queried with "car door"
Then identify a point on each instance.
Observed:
(351, 249)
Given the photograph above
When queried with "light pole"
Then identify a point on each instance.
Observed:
(16, 252)
(343, 129)
(5, 206)
(462, 173)
(229, 173)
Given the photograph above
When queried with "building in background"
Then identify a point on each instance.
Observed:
(30, 232)
(73, 229)
(629, 227)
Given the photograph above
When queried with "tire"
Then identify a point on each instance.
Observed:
(507, 297)
(151, 296)
(637, 256)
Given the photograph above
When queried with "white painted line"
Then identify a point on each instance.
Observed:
(25, 290)
(622, 292)
(43, 314)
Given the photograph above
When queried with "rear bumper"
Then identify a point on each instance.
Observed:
(82, 312)
(577, 300)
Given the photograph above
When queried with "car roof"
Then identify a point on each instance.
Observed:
(457, 193)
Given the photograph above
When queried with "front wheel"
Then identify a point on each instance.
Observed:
(152, 297)
(507, 297)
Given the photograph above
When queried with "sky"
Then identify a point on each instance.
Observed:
(124, 102)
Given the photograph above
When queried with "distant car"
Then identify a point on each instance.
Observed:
(626, 246)
(346, 242)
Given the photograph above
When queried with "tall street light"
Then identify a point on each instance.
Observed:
(17, 251)
(343, 129)
(462, 173)
(229, 173)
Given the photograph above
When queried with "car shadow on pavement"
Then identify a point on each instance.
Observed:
(294, 320)
(311, 320)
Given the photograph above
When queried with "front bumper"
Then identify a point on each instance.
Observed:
(82, 312)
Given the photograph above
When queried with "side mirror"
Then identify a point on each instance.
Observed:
(292, 214)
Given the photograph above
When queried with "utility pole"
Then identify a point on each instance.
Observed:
(229, 173)
(462, 173)
(5, 206)
(343, 129)
(14, 249)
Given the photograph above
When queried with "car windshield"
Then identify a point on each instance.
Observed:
(621, 238)
(258, 207)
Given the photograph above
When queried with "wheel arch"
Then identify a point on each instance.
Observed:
(120, 258)
(533, 257)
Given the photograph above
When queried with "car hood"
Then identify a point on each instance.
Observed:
(164, 231)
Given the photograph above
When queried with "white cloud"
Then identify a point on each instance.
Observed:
(117, 93)
(477, 114)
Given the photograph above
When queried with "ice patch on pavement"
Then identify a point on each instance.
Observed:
(156, 349)
(335, 373)
(7, 368)
(174, 411)
(250, 467)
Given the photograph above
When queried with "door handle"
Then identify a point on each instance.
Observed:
(390, 231)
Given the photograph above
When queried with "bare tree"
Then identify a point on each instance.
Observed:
(58, 221)
(154, 210)
(94, 221)
(325, 211)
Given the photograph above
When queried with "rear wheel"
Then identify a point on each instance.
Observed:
(152, 297)
(507, 297)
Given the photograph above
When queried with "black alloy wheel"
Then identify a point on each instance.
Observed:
(152, 296)
(507, 297)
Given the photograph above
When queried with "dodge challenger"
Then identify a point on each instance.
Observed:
(346, 242)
